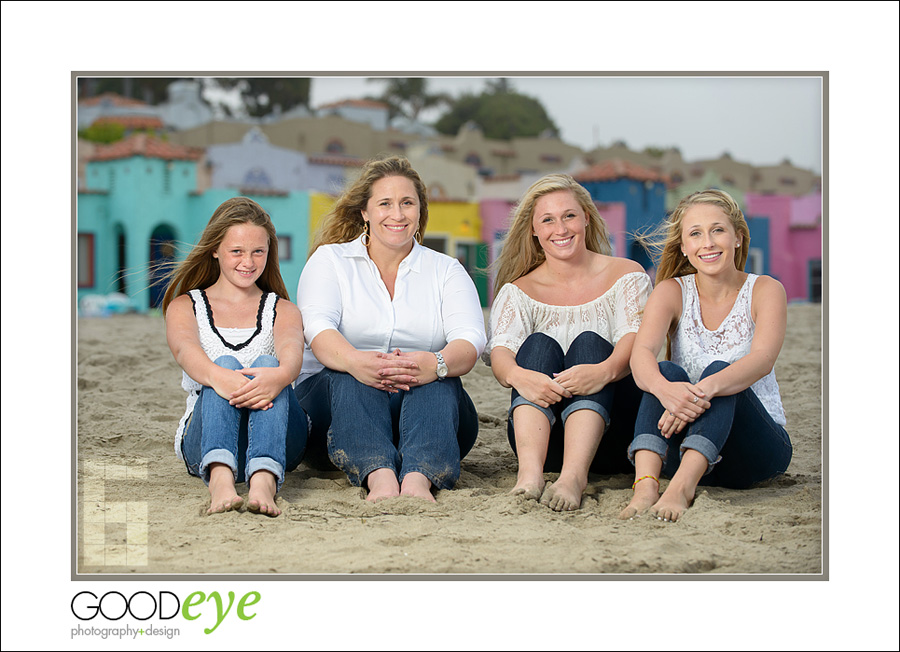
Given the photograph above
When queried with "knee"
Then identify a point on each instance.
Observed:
(539, 347)
(714, 367)
(265, 361)
(229, 362)
(672, 372)
(591, 344)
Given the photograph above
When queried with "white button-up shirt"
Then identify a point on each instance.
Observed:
(435, 302)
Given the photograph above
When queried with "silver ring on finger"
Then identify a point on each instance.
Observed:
(696, 398)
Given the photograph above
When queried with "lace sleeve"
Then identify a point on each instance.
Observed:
(510, 322)
(628, 310)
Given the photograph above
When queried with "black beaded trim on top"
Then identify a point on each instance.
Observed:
(212, 323)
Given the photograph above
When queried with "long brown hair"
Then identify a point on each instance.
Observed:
(200, 270)
(345, 222)
(521, 252)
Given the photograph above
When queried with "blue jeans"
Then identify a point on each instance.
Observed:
(617, 402)
(245, 440)
(428, 429)
(739, 439)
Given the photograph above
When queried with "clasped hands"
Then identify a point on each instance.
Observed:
(542, 390)
(395, 370)
(254, 388)
(683, 404)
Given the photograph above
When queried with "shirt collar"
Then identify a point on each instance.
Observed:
(356, 249)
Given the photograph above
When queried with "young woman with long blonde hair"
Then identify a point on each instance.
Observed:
(562, 326)
(712, 413)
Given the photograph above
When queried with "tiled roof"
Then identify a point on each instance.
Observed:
(262, 192)
(131, 121)
(147, 146)
(331, 159)
(359, 104)
(616, 168)
(114, 98)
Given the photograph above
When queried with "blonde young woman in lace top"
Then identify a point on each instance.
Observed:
(713, 413)
(562, 326)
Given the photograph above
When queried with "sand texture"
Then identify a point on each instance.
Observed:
(139, 511)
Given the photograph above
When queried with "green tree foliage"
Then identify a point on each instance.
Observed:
(261, 94)
(409, 96)
(500, 112)
(104, 133)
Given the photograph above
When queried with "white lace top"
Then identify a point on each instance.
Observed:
(618, 311)
(245, 344)
(694, 346)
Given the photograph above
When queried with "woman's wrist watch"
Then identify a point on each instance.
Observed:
(442, 368)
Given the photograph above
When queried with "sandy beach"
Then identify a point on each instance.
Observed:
(140, 513)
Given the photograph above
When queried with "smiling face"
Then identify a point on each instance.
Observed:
(559, 222)
(709, 239)
(392, 213)
(242, 254)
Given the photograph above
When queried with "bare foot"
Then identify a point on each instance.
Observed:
(261, 500)
(564, 495)
(673, 503)
(416, 485)
(530, 487)
(646, 493)
(222, 495)
(382, 484)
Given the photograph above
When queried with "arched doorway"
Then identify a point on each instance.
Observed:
(121, 257)
(162, 256)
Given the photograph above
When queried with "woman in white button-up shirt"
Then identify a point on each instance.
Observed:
(391, 326)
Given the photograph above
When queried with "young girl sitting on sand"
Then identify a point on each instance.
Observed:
(713, 414)
(239, 341)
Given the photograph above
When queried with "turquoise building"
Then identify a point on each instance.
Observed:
(139, 207)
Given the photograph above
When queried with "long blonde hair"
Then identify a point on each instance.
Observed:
(521, 250)
(200, 270)
(345, 222)
(664, 242)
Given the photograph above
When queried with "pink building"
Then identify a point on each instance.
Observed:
(794, 243)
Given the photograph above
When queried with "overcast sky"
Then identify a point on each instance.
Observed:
(759, 120)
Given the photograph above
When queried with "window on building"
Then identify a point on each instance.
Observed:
(755, 261)
(473, 159)
(85, 260)
(437, 243)
(334, 146)
(815, 281)
(285, 252)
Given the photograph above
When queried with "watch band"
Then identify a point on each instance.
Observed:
(442, 368)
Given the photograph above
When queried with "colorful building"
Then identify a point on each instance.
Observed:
(640, 189)
(140, 209)
(789, 231)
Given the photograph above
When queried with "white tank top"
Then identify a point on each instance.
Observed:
(694, 346)
(245, 344)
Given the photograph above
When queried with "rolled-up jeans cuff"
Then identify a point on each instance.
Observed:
(586, 404)
(217, 456)
(703, 446)
(547, 412)
(647, 442)
(265, 464)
